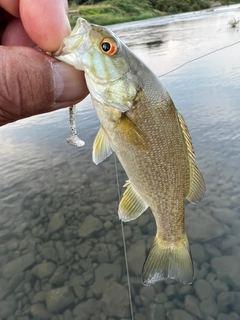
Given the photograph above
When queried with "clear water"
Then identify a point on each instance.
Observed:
(61, 248)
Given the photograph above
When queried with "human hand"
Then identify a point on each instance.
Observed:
(32, 82)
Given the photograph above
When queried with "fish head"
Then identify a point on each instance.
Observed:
(105, 59)
(95, 50)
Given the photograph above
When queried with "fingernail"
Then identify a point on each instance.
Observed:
(69, 83)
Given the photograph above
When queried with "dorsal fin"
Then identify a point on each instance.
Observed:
(101, 147)
(197, 185)
(131, 205)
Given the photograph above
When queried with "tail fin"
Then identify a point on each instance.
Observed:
(168, 260)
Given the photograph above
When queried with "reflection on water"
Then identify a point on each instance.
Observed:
(61, 248)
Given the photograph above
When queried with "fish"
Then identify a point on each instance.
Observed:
(140, 123)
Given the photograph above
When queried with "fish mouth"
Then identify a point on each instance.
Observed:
(77, 38)
(76, 44)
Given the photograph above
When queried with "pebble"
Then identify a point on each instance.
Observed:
(198, 253)
(83, 249)
(89, 226)
(170, 290)
(179, 315)
(59, 276)
(192, 305)
(56, 222)
(58, 299)
(225, 299)
(61, 249)
(234, 316)
(44, 270)
(39, 312)
(136, 257)
(212, 250)
(68, 315)
(8, 307)
(227, 269)
(86, 308)
(18, 265)
(208, 307)
(224, 215)
(80, 291)
(115, 301)
(161, 298)
(148, 292)
(104, 272)
(39, 297)
(236, 306)
(203, 228)
(140, 316)
(223, 316)
(204, 289)
(8, 287)
(50, 253)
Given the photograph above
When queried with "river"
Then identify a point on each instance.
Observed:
(61, 247)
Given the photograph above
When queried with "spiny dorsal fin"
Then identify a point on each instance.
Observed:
(168, 261)
(101, 147)
(131, 205)
(197, 185)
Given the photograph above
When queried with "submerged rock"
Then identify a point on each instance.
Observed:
(18, 265)
(39, 312)
(58, 299)
(115, 301)
(8, 307)
(179, 314)
(59, 276)
(192, 304)
(209, 308)
(89, 226)
(105, 272)
(203, 228)
(86, 308)
(136, 257)
(44, 270)
(227, 269)
(204, 289)
(57, 221)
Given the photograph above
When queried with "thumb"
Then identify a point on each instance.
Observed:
(32, 82)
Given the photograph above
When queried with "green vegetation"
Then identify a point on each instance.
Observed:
(105, 12)
(112, 11)
(233, 23)
(176, 6)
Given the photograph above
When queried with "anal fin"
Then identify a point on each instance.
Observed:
(168, 261)
(131, 205)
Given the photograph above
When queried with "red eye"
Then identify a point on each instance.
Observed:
(109, 46)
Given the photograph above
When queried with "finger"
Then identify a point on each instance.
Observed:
(39, 84)
(45, 21)
(11, 6)
(15, 35)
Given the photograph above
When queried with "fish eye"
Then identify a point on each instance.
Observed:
(109, 46)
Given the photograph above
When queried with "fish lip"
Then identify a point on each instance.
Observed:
(77, 39)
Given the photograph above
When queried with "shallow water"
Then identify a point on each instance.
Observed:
(61, 248)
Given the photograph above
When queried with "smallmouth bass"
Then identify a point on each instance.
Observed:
(140, 123)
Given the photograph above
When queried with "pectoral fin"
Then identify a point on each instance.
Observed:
(131, 206)
(101, 147)
(197, 185)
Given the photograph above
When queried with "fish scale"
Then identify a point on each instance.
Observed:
(140, 123)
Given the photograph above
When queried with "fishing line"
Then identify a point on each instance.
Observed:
(124, 244)
(207, 54)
